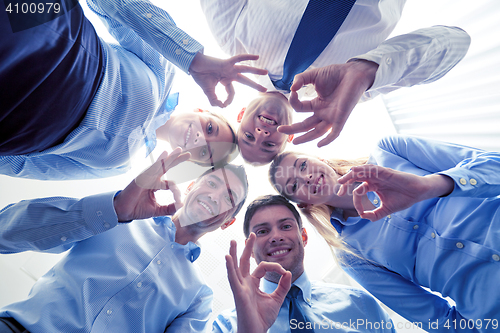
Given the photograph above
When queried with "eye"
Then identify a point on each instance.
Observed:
(249, 136)
(228, 200)
(261, 232)
(287, 226)
(269, 144)
(303, 166)
(203, 152)
(211, 184)
(294, 186)
(209, 128)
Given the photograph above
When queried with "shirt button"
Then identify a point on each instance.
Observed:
(473, 181)
(496, 257)
(64, 238)
(109, 311)
(463, 181)
(460, 245)
(389, 216)
(375, 201)
(172, 246)
(159, 262)
(308, 300)
(99, 213)
(178, 51)
(185, 41)
(106, 225)
(139, 284)
(433, 235)
(415, 226)
(149, 15)
(388, 61)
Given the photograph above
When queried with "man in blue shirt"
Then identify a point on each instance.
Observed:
(120, 276)
(87, 106)
(278, 237)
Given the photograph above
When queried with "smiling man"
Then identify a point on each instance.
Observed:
(258, 138)
(280, 238)
(124, 271)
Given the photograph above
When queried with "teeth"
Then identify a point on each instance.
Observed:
(204, 205)
(279, 252)
(267, 120)
(188, 134)
(320, 182)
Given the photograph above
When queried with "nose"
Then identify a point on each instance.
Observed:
(263, 132)
(213, 197)
(308, 179)
(275, 237)
(197, 137)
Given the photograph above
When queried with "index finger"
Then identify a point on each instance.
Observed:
(248, 82)
(303, 78)
(245, 256)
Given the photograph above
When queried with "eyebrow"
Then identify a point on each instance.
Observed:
(294, 166)
(267, 223)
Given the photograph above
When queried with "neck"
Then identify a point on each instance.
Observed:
(275, 277)
(185, 234)
(163, 130)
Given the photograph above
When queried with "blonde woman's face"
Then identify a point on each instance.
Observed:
(306, 179)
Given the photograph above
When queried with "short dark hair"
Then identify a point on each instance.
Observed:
(239, 171)
(266, 201)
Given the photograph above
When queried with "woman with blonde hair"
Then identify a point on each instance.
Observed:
(436, 208)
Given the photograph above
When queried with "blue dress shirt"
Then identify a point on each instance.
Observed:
(131, 278)
(329, 307)
(130, 103)
(449, 245)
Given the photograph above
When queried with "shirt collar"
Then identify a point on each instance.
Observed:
(302, 282)
(191, 250)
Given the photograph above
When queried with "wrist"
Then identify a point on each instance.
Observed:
(366, 70)
(439, 185)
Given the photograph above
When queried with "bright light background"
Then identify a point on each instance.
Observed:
(368, 122)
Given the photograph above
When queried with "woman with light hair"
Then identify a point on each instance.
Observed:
(435, 209)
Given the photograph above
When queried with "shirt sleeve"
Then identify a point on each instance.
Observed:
(226, 322)
(195, 319)
(419, 306)
(420, 57)
(138, 25)
(476, 173)
(54, 224)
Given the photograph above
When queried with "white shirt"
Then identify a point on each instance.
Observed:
(267, 28)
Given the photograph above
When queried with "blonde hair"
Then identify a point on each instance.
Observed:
(319, 215)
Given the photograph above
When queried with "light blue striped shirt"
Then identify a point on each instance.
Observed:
(450, 244)
(131, 101)
(328, 307)
(122, 278)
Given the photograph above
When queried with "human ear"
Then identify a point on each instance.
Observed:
(304, 236)
(190, 186)
(227, 223)
(290, 138)
(240, 115)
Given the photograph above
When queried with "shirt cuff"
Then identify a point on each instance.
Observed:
(99, 212)
(464, 181)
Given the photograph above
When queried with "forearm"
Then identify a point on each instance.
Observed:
(422, 56)
(151, 24)
(54, 224)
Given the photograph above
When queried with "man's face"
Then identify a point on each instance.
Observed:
(278, 239)
(258, 138)
(208, 138)
(213, 199)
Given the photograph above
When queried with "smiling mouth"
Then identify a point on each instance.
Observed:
(319, 183)
(188, 134)
(207, 207)
(279, 252)
(268, 121)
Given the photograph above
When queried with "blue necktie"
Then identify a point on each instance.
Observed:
(295, 314)
(319, 24)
